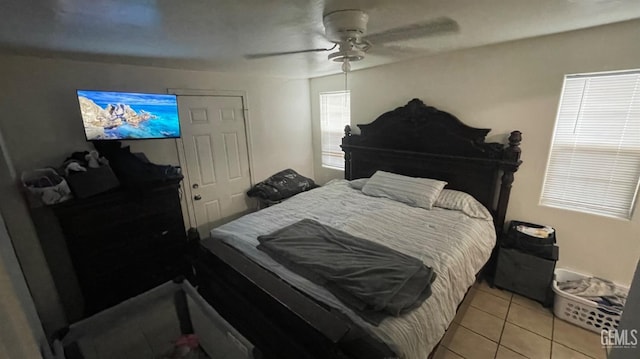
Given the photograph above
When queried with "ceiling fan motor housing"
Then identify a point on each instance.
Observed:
(343, 25)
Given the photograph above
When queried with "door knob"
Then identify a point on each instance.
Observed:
(197, 197)
(195, 185)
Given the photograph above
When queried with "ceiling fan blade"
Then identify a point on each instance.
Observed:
(438, 26)
(271, 54)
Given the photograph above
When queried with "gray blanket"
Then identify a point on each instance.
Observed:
(373, 280)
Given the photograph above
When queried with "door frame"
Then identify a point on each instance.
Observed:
(187, 201)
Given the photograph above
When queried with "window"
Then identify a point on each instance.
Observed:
(335, 113)
(594, 164)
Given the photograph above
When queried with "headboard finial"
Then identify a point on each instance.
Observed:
(347, 131)
(509, 166)
(415, 104)
(512, 153)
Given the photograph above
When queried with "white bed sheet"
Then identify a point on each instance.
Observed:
(453, 244)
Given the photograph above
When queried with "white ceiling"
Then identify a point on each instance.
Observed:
(215, 34)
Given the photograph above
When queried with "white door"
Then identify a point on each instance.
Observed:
(217, 160)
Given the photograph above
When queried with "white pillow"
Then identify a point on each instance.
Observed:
(464, 202)
(416, 192)
(358, 183)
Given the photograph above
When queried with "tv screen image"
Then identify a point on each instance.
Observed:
(109, 115)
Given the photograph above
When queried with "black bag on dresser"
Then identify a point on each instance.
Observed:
(526, 263)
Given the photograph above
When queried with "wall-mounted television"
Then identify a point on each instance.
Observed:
(110, 115)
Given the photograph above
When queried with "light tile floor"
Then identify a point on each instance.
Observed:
(496, 324)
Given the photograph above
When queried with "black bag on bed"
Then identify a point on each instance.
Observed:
(281, 185)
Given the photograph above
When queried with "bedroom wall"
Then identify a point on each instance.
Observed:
(41, 124)
(24, 239)
(41, 121)
(505, 87)
(22, 332)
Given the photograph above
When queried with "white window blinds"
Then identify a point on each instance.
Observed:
(335, 113)
(594, 164)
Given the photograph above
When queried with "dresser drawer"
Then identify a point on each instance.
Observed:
(127, 239)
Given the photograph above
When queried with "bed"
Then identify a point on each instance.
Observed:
(287, 316)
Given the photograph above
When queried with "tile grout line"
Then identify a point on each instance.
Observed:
(553, 334)
(512, 349)
(577, 350)
(505, 321)
(507, 300)
(505, 318)
(456, 353)
(511, 301)
(516, 325)
(523, 328)
(458, 324)
(508, 308)
(504, 324)
(488, 292)
(497, 296)
(530, 331)
(484, 311)
(480, 334)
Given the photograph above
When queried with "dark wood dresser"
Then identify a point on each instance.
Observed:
(124, 243)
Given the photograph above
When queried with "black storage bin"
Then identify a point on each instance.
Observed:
(526, 264)
(525, 274)
(541, 247)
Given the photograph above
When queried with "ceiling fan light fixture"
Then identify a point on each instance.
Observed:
(346, 66)
(347, 55)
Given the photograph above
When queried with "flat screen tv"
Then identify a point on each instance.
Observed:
(109, 115)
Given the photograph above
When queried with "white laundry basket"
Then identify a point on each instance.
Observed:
(579, 311)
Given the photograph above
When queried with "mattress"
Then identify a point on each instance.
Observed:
(454, 245)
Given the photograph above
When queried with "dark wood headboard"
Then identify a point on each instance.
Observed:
(421, 141)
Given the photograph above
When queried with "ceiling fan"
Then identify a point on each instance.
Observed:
(347, 30)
